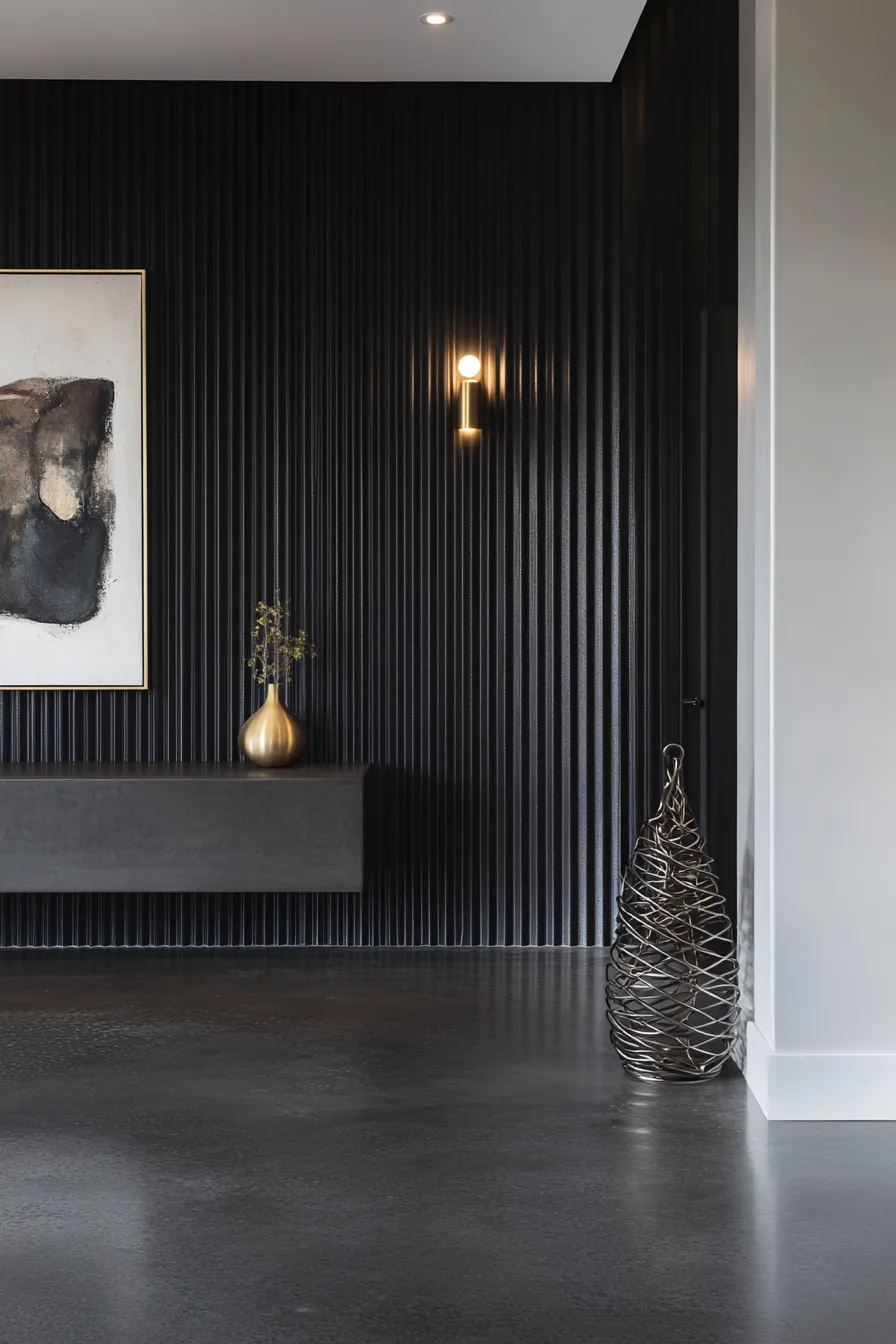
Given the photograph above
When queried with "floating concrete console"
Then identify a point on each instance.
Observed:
(181, 828)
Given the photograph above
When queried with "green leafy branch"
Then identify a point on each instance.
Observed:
(274, 649)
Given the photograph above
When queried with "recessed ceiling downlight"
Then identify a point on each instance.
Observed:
(436, 19)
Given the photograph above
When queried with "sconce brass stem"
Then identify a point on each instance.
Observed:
(470, 402)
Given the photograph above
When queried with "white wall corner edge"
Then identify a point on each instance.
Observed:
(789, 1085)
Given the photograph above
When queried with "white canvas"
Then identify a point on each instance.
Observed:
(65, 326)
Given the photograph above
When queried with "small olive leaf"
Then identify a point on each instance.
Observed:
(275, 650)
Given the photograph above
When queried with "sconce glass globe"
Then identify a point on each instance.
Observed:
(469, 367)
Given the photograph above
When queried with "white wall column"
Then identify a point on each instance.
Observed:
(817, 527)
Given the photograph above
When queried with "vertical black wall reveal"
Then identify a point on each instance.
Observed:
(318, 258)
(676, 188)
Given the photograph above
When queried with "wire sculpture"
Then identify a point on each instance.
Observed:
(672, 982)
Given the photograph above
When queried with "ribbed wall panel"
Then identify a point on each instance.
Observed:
(318, 257)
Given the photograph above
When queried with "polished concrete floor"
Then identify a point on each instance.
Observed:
(348, 1148)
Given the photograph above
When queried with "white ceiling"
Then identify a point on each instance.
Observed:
(313, 39)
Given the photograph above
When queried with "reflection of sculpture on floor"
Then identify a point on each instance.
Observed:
(672, 993)
(56, 506)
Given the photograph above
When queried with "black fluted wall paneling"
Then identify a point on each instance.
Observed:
(318, 257)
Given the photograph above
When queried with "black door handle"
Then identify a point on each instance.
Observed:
(695, 702)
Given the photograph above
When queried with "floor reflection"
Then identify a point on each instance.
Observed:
(73, 1228)
(376, 1148)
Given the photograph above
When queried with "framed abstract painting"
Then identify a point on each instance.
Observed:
(73, 580)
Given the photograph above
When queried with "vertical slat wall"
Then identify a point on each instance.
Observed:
(318, 258)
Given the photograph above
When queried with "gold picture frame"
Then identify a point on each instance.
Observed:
(142, 684)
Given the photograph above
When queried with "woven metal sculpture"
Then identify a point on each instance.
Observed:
(672, 982)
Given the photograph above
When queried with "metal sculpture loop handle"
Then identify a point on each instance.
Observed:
(672, 798)
(673, 755)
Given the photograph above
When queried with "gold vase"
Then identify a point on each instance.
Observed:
(272, 737)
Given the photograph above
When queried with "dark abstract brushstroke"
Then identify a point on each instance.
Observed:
(55, 507)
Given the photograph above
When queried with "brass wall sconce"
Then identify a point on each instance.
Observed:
(470, 394)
